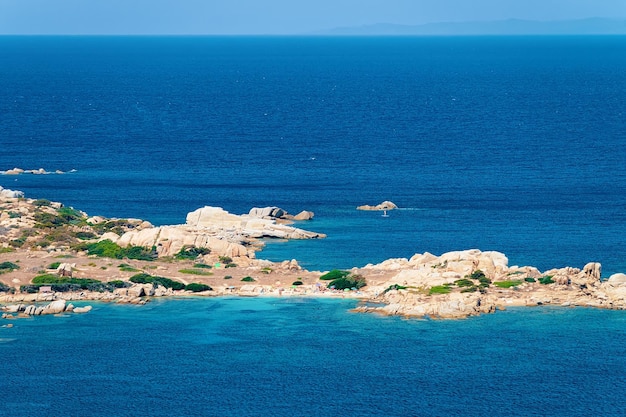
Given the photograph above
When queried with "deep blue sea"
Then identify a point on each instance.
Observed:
(514, 144)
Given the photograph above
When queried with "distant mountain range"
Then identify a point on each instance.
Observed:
(592, 26)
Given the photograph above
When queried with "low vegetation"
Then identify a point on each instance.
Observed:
(8, 267)
(108, 249)
(508, 284)
(247, 279)
(545, 280)
(156, 280)
(195, 287)
(191, 252)
(439, 289)
(195, 271)
(6, 288)
(350, 282)
(67, 284)
(334, 274)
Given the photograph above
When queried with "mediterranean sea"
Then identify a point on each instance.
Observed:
(513, 144)
(297, 357)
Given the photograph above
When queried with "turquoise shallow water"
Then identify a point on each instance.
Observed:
(285, 357)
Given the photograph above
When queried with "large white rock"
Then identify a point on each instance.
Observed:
(5, 193)
(617, 279)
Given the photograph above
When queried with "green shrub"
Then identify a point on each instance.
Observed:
(348, 282)
(529, 279)
(228, 277)
(127, 268)
(84, 235)
(119, 283)
(296, 283)
(42, 202)
(464, 283)
(334, 274)
(6, 288)
(472, 288)
(545, 280)
(439, 289)
(29, 289)
(230, 265)
(478, 274)
(507, 284)
(7, 250)
(193, 271)
(393, 287)
(54, 265)
(225, 259)
(8, 267)
(195, 287)
(191, 252)
(248, 279)
(204, 266)
(54, 279)
(108, 249)
(144, 278)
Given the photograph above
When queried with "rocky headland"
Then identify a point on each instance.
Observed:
(51, 254)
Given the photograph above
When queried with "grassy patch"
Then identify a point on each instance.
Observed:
(204, 266)
(127, 268)
(439, 289)
(194, 271)
(507, 284)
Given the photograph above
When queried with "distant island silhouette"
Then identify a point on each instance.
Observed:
(591, 26)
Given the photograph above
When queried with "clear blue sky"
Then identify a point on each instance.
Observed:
(273, 16)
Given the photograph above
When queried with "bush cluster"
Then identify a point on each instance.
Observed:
(67, 284)
(350, 282)
(334, 274)
(144, 278)
(108, 249)
(191, 252)
(8, 267)
(195, 287)
(546, 280)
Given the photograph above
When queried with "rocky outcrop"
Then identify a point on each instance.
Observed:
(39, 171)
(214, 228)
(6, 193)
(385, 205)
(54, 307)
(473, 282)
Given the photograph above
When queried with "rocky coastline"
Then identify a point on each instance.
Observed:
(47, 253)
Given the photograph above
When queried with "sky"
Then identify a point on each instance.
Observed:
(278, 17)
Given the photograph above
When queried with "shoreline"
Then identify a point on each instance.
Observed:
(37, 235)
